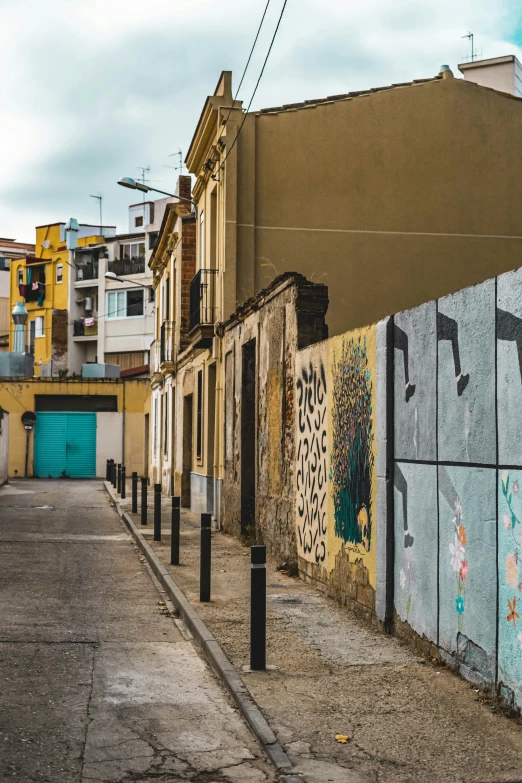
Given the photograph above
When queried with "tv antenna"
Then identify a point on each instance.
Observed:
(179, 166)
(100, 200)
(471, 38)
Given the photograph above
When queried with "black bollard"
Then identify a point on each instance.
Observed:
(174, 533)
(108, 470)
(134, 507)
(205, 556)
(258, 608)
(157, 512)
(123, 480)
(114, 470)
(118, 490)
(143, 501)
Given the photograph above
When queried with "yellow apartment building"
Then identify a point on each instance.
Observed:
(43, 283)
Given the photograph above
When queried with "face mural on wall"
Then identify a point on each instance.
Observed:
(352, 458)
(312, 462)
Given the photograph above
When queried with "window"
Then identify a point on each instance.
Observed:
(20, 275)
(3, 263)
(202, 241)
(39, 326)
(199, 422)
(138, 221)
(125, 304)
(132, 250)
(59, 273)
(153, 236)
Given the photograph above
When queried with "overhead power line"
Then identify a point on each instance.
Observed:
(246, 68)
(255, 88)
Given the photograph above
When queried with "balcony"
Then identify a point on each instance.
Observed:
(80, 329)
(32, 292)
(203, 309)
(127, 266)
(165, 343)
(86, 272)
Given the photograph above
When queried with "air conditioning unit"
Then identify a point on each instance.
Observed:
(88, 303)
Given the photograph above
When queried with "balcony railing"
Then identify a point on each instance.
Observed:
(203, 310)
(166, 335)
(155, 352)
(81, 330)
(87, 272)
(127, 266)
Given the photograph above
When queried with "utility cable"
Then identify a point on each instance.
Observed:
(245, 70)
(255, 88)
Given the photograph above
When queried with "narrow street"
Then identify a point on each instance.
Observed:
(97, 683)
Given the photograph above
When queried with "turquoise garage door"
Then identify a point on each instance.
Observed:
(65, 445)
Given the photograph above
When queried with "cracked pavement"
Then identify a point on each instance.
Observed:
(407, 719)
(99, 683)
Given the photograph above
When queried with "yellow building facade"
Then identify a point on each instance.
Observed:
(42, 283)
(119, 406)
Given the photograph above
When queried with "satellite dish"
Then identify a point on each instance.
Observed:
(46, 244)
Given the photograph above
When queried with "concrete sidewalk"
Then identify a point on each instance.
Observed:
(406, 719)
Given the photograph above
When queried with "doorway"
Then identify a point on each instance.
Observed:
(248, 436)
(187, 451)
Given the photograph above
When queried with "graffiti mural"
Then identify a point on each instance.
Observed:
(510, 582)
(311, 471)
(352, 459)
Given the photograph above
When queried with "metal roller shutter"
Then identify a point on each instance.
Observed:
(65, 445)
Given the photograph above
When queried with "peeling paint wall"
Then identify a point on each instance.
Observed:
(288, 314)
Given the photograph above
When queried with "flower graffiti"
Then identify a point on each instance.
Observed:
(512, 569)
(510, 520)
(458, 563)
(513, 614)
(457, 554)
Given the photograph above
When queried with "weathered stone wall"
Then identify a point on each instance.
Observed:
(288, 314)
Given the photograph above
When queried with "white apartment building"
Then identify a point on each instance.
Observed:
(111, 321)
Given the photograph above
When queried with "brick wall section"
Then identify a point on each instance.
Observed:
(59, 339)
(184, 189)
(188, 270)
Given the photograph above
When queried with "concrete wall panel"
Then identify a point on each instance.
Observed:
(467, 566)
(415, 567)
(415, 383)
(510, 585)
(509, 367)
(466, 388)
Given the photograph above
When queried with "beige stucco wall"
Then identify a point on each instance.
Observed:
(390, 199)
(108, 440)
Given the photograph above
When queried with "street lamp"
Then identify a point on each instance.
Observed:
(113, 276)
(128, 182)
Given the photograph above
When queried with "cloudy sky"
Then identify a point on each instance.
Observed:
(93, 89)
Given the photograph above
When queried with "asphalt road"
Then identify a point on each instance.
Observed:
(97, 683)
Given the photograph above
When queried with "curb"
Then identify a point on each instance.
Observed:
(213, 653)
